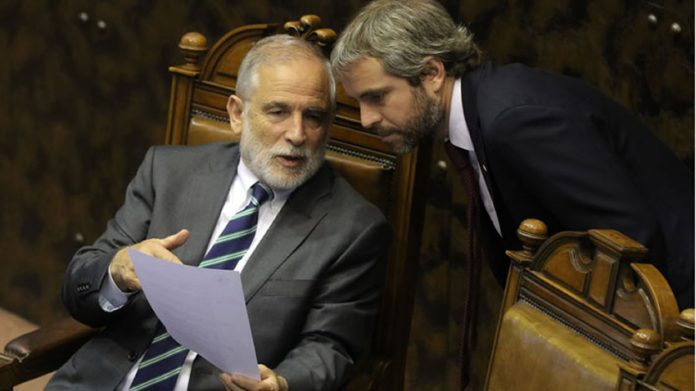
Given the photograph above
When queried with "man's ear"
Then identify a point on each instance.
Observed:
(235, 108)
(434, 74)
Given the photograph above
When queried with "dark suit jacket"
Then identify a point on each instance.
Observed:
(555, 148)
(311, 285)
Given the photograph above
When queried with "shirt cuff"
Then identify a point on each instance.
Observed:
(111, 298)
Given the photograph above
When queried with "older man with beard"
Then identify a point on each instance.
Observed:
(312, 272)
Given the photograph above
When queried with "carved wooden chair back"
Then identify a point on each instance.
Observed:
(197, 114)
(580, 312)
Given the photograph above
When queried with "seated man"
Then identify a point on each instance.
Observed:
(309, 248)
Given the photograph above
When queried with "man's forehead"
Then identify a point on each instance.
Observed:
(367, 76)
(364, 67)
(296, 70)
(290, 103)
(294, 79)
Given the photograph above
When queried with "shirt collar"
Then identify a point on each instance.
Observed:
(458, 129)
(246, 176)
(248, 179)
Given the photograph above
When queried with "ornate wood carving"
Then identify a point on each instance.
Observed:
(307, 28)
(593, 284)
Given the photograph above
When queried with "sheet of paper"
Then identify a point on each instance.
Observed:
(202, 309)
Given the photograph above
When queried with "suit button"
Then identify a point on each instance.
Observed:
(132, 356)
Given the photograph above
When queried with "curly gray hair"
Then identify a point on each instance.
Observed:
(402, 34)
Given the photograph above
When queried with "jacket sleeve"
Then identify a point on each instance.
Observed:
(88, 269)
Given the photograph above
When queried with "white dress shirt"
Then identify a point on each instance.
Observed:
(460, 137)
(111, 298)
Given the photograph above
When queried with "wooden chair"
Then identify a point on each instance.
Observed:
(12, 325)
(197, 114)
(580, 313)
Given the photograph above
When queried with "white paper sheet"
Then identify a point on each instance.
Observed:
(202, 309)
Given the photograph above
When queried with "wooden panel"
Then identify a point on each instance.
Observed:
(526, 347)
(544, 314)
(603, 273)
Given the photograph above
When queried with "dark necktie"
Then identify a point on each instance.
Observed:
(461, 162)
(161, 365)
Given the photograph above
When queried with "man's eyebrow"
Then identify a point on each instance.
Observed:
(274, 105)
(317, 109)
(374, 91)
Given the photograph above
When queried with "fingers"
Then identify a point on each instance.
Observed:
(269, 381)
(265, 372)
(121, 267)
(173, 241)
(226, 380)
(271, 378)
(160, 248)
(242, 382)
(155, 248)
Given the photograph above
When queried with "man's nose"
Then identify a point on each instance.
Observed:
(369, 117)
(295, 133)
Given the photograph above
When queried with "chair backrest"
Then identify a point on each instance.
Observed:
(197, 114)
(582, 313)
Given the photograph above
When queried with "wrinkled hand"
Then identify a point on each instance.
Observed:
(269, 381)
(121, 267)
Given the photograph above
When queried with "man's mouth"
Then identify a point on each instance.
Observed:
(290, 161)
(388, 135)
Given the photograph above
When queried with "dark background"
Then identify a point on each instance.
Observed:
(84, 90)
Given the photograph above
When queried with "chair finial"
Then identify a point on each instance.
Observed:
(193, 45)
(686, 324)
(532, 233)
(645, 343)
(308, 28)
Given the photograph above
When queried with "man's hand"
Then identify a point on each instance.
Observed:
(269, 381)
(121, 267)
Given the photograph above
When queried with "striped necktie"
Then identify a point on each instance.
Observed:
(160, 367)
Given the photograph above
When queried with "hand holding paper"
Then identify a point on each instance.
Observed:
(202, 309)
(122, 269)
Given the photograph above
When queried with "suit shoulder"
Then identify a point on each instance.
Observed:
(349, 201)
(500, 89)
(521, 84)
(190, 155)
(201, 151)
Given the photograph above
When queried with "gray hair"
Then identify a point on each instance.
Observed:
(401, 35)
(278, 49)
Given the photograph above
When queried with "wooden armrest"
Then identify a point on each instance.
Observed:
(41, 351)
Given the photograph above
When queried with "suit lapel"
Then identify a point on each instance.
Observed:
(305, 208)
(470, 83)
(205, 198)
